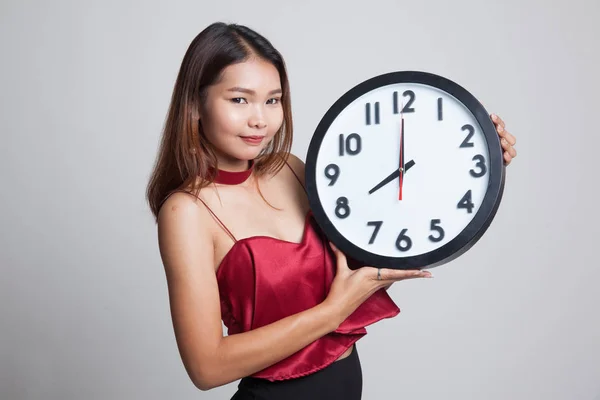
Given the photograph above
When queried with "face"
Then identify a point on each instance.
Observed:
(243, 111)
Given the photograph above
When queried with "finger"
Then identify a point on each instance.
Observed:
(511, 139)
(503, 133)
(507, 158)
(500, 130)
(335, 249)
(413, 276)
(340, 259)
(338, 253)
(498, 120)
(394, 275)
(506, 146)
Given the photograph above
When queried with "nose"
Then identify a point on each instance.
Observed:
(257, 118)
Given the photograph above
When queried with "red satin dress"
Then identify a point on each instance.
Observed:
(263, 279)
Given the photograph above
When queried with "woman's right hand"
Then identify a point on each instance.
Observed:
(350, 288)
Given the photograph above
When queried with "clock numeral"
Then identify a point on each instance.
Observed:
(403, 243)
(407, 107)
(368, 113)
(377, 225)
(435, 226)
(351, 145)
(480, 164)
(333, 176)
(466, 202)
(342, 209)
(466, 142)
(440, 111)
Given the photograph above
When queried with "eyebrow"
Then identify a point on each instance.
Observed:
(250, 91)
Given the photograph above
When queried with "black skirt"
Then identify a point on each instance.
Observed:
(340, 380)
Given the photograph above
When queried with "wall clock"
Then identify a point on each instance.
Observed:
(405, 171)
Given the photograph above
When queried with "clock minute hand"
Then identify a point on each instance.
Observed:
(392, 176)
(401, 166)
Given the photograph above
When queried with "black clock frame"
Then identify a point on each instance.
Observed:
(480, 222)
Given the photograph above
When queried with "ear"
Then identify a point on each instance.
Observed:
(196, 114)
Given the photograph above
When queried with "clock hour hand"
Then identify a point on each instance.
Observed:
(392, 176)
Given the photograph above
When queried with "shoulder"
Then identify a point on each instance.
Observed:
(183, 211)
(297, 165)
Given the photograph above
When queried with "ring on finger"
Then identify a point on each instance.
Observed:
(378, 274)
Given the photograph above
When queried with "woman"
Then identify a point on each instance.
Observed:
(238, 240)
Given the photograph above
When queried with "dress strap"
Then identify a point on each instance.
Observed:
(296, 175)
(212, 213)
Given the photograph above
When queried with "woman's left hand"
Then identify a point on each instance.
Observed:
(506, 139)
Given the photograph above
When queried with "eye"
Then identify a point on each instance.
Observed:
(276, 100)
(238, 100)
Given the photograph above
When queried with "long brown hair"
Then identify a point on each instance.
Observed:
(184, 153)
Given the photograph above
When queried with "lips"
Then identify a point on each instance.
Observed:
(254, 140)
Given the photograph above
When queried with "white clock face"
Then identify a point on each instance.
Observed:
(445, 176)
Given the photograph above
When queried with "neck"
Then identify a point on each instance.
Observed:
(234, 177)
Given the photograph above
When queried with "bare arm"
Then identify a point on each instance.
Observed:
(210, 359)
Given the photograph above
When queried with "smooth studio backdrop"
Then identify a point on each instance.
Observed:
(85, 88)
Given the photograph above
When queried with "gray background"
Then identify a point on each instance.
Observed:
(85, 87)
